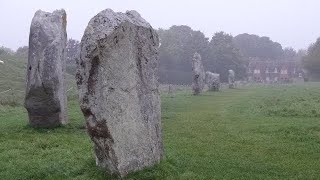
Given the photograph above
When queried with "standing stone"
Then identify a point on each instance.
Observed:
(117, 78)
(198, 74)
(213, 81)
(231, 79)
(46, 100)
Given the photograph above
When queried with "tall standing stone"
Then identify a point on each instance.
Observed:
(231, 79)
(118, 85)
(46, 100)
(213, 81)
(198, 82)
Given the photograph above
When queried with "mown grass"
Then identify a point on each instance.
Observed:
(300, 101)
(235, 134)
(13, 80)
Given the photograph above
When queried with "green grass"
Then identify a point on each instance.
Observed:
(248, 133)
(12, 76)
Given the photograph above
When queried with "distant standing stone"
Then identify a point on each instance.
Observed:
(117, 78)
(46, 100)
(231, 79)
(213, 81)
(198, 74)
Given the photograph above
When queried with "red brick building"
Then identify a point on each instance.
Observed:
(274, 71)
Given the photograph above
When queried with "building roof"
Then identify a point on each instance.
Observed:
(264, 64)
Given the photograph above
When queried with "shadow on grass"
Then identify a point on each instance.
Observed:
(91, 170)
(69, 128)
(159, 171)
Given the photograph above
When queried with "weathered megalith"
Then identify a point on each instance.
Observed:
(46, 100)
(213, 81)
(231, 79)
(117, 78)
(198, 82)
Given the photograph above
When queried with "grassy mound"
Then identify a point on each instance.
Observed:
(12, 80)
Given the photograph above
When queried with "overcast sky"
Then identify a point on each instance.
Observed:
(292, 23)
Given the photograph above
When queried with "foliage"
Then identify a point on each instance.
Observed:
(260, 47)
(178, 44)
(289, 53)
(22, 52)
(72, 48)
(311, 62)
(301, 53)
(223, 55)
(4, 51)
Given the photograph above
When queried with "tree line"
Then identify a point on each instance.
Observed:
(219, 53)
(311, 61)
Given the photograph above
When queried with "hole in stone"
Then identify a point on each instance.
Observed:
(111, 89)
(82, 64)
(30, 67)
(116, 39)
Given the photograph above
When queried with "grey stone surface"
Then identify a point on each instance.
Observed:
(198, 82)
(117, 78)
(231, 79)
(213, 81)
(46, 100)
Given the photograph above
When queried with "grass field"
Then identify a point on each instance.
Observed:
(12, 80)
(248, 133)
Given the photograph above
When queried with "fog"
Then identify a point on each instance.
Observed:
(289, 22)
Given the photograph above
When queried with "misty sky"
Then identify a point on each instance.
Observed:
(290, 22)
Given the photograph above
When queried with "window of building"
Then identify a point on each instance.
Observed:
(256, 71)
(284, 71)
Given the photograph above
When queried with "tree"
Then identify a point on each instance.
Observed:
(177, 46)
(301, 54)
(289, 53)
(311, 61)
(258, 47)
(6, 51)
(22, 51)
(72, 48)
(224, 55)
